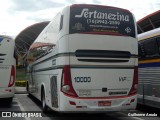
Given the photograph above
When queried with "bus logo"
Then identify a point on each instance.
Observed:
(128, 30)
(122, 79)
(78, 26)
(103, 15)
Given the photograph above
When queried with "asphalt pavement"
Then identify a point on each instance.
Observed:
(22, 103)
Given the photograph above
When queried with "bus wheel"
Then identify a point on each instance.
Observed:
(44, 106)
(8, 101)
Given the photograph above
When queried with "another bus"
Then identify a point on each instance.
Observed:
(91, 62)
(7, 69)
(149, 68)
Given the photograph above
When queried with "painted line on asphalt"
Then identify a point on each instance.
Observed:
(22, 109)
(22, 94)
(14, 98)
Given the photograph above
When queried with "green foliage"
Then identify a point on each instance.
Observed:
(21, 74)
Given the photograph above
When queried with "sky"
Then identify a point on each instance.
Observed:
(16, 15)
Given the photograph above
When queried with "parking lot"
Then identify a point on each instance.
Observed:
(22, 103)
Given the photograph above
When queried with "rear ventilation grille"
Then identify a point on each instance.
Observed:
(1, 57)
(54, 94)
(2, 54)
(103, 53)
(103, 56)
(102, 60)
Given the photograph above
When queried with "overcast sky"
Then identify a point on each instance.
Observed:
(16, 15)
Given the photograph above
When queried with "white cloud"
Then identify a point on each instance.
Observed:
(44, 15)
(16, 15)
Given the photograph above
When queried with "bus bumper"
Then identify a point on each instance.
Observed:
(68, 104)
(7, 92)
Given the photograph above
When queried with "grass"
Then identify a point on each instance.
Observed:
(21, 74)
(21, 77)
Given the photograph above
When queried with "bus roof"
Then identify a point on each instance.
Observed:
(149, 34)
(94, 5)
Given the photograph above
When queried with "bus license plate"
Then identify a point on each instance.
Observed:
(104, 103)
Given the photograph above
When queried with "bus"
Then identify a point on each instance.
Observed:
(149, 68)
(86, 60)
(7, 69)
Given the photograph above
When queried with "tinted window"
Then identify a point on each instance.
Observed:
(141, 52)
(38, 52)
(61, 22)
(101, 20)
(158, 41)
(151, 47)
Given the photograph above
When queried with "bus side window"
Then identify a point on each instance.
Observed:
(141, 52)
(61, 23)
(39, 52)
(32, 56)
(15, 56)
(158, 41)
(151, 47)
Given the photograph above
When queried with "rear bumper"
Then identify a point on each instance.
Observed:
(91, 105)
(7, 92)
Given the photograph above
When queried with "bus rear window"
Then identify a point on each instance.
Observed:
(92, 19)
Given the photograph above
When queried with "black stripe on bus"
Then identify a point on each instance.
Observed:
(2, 54)
(46, 69)
(55, 56)
(103, 53)
(102, 60)
(67, 54)
(102, 66)
(1, 59)
(85, 67)
(134, 56)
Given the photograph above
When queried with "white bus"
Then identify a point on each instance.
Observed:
(149, 68)
(7, 68)
(85, 60)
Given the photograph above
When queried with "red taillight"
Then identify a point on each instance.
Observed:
(135, 82)
(12, 77)
(72, 103)
(66, 85)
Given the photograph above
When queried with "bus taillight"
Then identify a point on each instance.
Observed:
(12, 77)
(135, 82)
(66, 83)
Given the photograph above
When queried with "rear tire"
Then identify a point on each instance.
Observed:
(44, 106)
(8, 102)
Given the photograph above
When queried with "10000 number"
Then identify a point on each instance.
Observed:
(82, 79)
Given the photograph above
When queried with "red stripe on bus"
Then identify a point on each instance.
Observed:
(91, 98)
(103, 33)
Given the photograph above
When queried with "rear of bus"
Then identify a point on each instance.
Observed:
(100, 73)
(7, 69)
